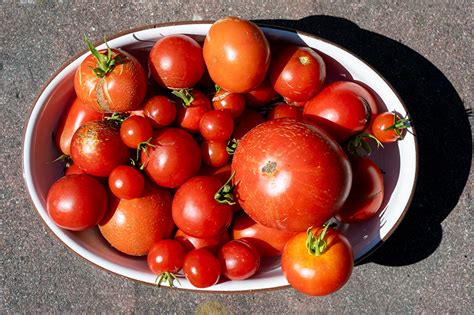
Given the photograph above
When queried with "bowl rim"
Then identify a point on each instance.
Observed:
(188, 22)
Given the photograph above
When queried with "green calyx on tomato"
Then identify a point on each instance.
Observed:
(225, 194)
(231, 146)
(116, 118)
(167, 277)
(359, 141)
(185, 95)
(106, 63)
(316, 245)
(399, 124)
(142, 146)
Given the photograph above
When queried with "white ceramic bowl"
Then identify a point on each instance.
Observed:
(399, 161)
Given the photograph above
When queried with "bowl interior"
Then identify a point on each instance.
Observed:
(398, 161)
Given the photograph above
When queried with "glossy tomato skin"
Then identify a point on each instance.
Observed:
(201, 268)
(366, 194)
(268, 242)
(174, 158)
(261, 95)
(121, 90)
(76, 116)
(282, 110)
(237, 54)
(74, 169)
(189, 116)
(135, 130)
(342, 108)
(166, 256)
(212, 244)
(232, 103)
(216, 125)
(297, 73)
(196, 212)
(214, 153)
(290, 175)
(160, 110)
(239, 259)
(383, 121)
(125, 182)
(317, 275)
(133, 226)
(176, 62)
(76, 202)
(248, 120)
(97, 148)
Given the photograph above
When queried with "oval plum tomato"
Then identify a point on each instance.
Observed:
(160, 110)
(237, 54)
(321, 267)
(76, 202)
(196, 211)
(366, 194)
(268, 242)
(239, 260)
(232, 103)
(174, 157)
(76, 116)
(216, 125)
(297, 73)
(214, 153)
(97, 148)
(389, 127)
(248, 120)
(133, 226)
(135, 130)
(176, 62)
(73, 169)
(125, 182)
(261, 95)
(166, 258)
(343, 109)
(290, 175)
(192, 105)
(110, 81)
(282, 110)
(212, 244)
(201, 268)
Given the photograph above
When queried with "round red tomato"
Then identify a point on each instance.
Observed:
(166, 258)
(214, 153)
(160, 110)
(173, 157)
(297, 73)
(133, 226)
(237, 54)
(282, 110)
(196, 211)
(176, 62)
(135, 130)
(97, 148)
(248, 120)
(212, 244)
(216, 125)
(232, 103)
(201, 268)
(366, 194)
(192, 105)
(125, 182)
(116, 83)
(239, 260)
(76, 202)
(342, 108)
(261, 95)
(323, 267)
(290, 175)
(389, 127)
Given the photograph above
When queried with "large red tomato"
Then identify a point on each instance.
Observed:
(290, 175)
(237, 54)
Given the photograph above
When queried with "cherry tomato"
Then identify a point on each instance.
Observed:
(74, 169)
(212, 244)
(135, 130)
(261, 95)
(366, 194)
(97, 148)
(125, 182)
(290, 175)
(297, 73)
(160, 110)
(248, 120)
(323, 271)
(268, 242)
(196, 211)
(133, 226)
(176, 62)
(232, 103)
(173, 157)
(343, 109)
(190, 109)
(389, 127)
(76, 116)
(76, 202)
(216, 125)
(237, 54)
(115, 84)
(201, 268)
(166, 258)
(239, 259)
(282, 110)
(214, 153)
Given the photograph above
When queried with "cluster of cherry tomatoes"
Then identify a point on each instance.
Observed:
(165, 166)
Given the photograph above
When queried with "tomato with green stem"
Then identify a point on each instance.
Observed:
(165, 259)
(160, 110)
(125, 182)
(389, 127)
(201, 268)
(135, 130)
(191, 106)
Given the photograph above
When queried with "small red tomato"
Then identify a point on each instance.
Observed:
(74, 169)
(216, 125)
(232, 103)
(239, 259)
(248, 120)
(214, 153)
(166, 258)
(212, 244)
(135, 130)
(125, 182)
(76, 202)
(176, 62)
(197, 212)
(297, 73)
(97, 148)
(261, 95)
(389, 127)
(222, 173)
(160, 110)
(190, 109)
(282, 110)
(201, 268)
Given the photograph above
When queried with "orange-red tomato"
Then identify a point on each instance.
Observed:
(233, 103)
(282, 110)
(212, 244)
(261, 95)
(214, 153)
(389, 127)
(237, 54)
(160, 110)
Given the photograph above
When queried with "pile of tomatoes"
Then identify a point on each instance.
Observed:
(234, 150)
